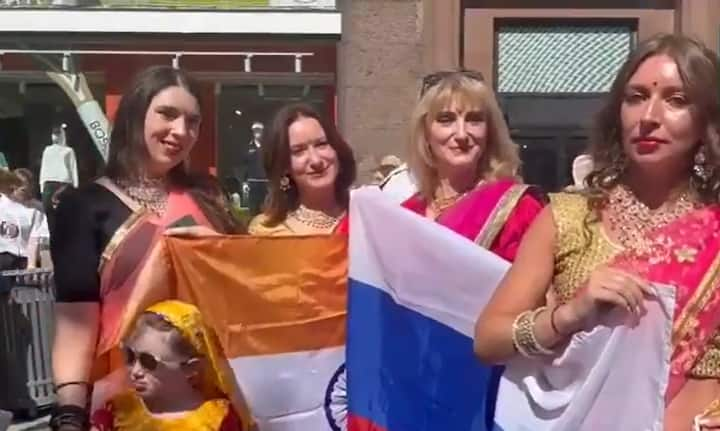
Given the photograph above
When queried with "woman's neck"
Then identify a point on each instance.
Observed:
(455, 183)
(655, 190)
(323, 203)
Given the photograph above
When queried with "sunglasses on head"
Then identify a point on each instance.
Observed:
(148, 361)
(433, 79)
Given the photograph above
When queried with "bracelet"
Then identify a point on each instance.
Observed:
(552, 320)
(69, 415)
(62, 385)
(523, 334)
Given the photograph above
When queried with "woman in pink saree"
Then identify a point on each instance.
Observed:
(649, 214)
(466, 164)
(106, 230)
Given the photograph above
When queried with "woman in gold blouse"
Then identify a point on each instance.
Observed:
(310, 170)
(650, 214)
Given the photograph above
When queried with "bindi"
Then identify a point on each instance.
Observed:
(655, 84)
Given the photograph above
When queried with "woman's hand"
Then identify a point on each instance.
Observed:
(708, 422)
(606, 289)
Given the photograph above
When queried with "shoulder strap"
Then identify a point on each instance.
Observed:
(500, 215)
(119, 193)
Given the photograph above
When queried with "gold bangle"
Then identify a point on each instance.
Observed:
(523, 334)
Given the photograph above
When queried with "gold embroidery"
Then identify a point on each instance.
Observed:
(578, 249)
(684, 323)
(118, 237)
(709, 365)
(499, 215)
(686, 254)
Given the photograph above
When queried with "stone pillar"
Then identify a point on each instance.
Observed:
(380, 63)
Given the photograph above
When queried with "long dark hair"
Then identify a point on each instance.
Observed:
(699, 70)
(277, 162)
(128, 150)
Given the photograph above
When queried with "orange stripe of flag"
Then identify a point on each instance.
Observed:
(266, 295)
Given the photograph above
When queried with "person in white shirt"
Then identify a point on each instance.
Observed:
(58, 167)
(22, 228)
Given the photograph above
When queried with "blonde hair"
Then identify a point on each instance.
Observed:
(500, 158)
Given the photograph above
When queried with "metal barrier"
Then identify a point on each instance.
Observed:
(27, 300)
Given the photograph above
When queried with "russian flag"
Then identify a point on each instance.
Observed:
(416, 289)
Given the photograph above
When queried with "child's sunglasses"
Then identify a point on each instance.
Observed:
(433, 79)
(148, 361)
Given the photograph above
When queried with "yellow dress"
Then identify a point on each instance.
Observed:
(129, 414)
(581, 245)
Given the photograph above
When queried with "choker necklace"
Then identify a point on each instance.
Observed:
(314, 218)
(632, 220)
(149, 193)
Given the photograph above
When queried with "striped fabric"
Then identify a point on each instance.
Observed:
(560, 59)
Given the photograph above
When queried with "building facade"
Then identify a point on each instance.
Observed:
(360, 61)
(551, 63)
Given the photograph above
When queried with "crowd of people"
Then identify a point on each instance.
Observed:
(645, 210)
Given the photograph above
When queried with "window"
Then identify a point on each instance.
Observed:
(560, 59)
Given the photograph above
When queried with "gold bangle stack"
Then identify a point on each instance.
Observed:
(523, 334)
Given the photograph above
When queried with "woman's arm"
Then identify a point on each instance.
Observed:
(75, 256)
(523, 288)
(76, 332)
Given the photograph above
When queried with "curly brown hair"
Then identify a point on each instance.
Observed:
(699, 70)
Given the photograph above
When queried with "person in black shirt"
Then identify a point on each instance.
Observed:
(105, 230)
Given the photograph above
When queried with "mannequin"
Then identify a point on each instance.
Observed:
(58, 170)
(254, 179)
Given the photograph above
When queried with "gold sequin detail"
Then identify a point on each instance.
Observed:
(579, 249)
(709, 365)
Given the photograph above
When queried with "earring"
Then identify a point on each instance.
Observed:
(701, 167)
(285, 183)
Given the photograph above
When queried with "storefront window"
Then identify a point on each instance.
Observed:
(245, 113)
(28, 113)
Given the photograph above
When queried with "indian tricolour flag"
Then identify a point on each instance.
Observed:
(278, 306)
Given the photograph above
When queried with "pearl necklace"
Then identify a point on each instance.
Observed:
(314, 218)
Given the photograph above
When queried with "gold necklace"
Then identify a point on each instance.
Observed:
(149, 193)
(315, 219)
(440, 204)
(632, 221)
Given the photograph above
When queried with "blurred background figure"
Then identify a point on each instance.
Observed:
(581, 167)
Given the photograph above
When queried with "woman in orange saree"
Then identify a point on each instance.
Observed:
(105, 231)
(649, 214)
